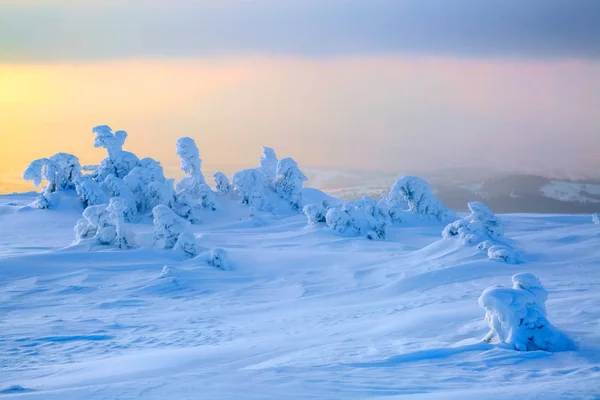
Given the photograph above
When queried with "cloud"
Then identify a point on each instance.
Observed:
(55, 30)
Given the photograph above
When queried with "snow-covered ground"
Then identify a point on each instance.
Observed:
(303, 314)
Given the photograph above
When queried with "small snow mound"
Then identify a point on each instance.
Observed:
(481, 224)
(219, 258)
(517, 316)
(504, 253)
(596, 218)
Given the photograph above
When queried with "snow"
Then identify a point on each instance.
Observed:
(572, 191)
(295, 312)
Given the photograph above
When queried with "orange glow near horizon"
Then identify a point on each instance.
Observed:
(366, 113)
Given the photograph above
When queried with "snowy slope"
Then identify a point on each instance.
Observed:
(304, 314)
(572, 191)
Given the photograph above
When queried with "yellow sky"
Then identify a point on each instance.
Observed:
(372, 113)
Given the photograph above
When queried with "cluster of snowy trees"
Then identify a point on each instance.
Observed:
(409, 198)
(483, 227)
(124, 188)
(517, 316)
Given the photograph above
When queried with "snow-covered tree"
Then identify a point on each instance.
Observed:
(316, 212)
(222, 183)
(420, 199)
(186, 244)
(504, 253)
(268, 165)
(168, 226)
(249, 184)
(89, 191)
(481, 224)
(517, 316)
(116, 187)
(358, 218)
(394, 203)
(118, 162)
(44, 169)
(219, 258)
(148, 185)
(95, 217)
(596, 218)
(124, 238)
(70, 167)
(289, 181)
(192, 194)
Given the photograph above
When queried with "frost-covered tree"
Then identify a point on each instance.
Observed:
(289, 181)
(186, 244)
(89, 191)
(219, 258)
(116, 187)
(596, 218)
(44, 169)
(222, 183)
(249, 184)
(482, 224)
(268, 165)
(517, 316)
(168, 226)
(394, 203)
(316, 212)
(95, 217)
(504, 253)
(192, 194)
(148, 185)
(124, 238)
(70, 168)
(420, 199)
(118, 162)
(358, 218)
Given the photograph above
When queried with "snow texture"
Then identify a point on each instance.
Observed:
(517, 316)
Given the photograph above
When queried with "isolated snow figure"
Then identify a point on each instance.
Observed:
(289, 181)
(268, 164)
(116, 187)
(420, 199)
(596, 218)
(357, 218)
(119, 162)
(517, 316)
(504, 253)
(316, 212)
(124, 238)
(191, 192)
(89, 191)
(139, 180)
(222, 183)
(186, 244)
(249, 184)
(219, 258)
(480, 225)
(70, 168)
(168, 226)
(44, 169)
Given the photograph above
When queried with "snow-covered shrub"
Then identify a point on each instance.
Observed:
(481, 224)
(192, 194)
(289, 181)
(116, 187)
(420, 199)
(96, 223)
(219, 258)
(394, 203)
(249, 184)
(44, 169)
(168, 226)
(124, 238)
(358, 218)
(517, 316)
(316, 212)
(119, 162)
(148, 185)
(596, 218)
(186, 244)
(89, 191)
(70, 167)
(504, 253)
(268, 165)
(222, 183)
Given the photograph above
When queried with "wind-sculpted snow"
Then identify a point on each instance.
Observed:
(297, 313)
(517, 316)
(420, 199)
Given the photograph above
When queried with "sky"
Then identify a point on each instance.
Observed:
(389, 85)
